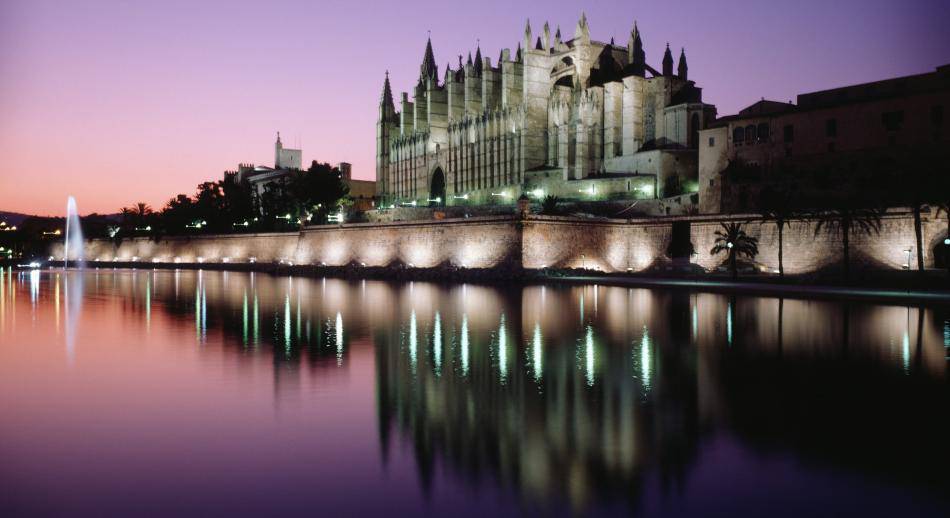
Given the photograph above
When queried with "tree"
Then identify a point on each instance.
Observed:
(137, 218)
(317, 192)
(847, 217)
(549, 205)
(920, 179)
(778, 202)
(178, 213)
(735, 242)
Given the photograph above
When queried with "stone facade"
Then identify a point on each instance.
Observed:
(535, 242)
(551, 118)
(884, 120)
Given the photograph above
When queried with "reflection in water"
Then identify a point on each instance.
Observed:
(502, 392)
(464, 345)
(73, 289)
(537, 349)
(645, 362)
(436, 343)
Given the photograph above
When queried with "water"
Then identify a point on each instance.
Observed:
(209, 392)
(73, 241)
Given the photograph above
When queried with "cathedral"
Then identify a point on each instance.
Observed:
(575, 118)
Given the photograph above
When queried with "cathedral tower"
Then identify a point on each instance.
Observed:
(385, 128)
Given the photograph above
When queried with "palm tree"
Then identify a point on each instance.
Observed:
(734, 241)
(920, 181)
(549, 205)
(778, 203)
(846, 218)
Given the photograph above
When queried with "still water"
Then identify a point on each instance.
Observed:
(157, 392)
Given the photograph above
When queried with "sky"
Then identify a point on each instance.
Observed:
(117, 102)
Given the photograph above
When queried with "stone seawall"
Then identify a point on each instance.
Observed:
(535, 242)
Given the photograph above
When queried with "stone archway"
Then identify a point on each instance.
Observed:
(437, 189)
(941, 254)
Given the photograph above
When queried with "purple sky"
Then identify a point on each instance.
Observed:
(124, 101)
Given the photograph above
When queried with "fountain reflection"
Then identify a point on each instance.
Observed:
(509, 388)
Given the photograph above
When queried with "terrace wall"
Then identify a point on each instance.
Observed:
(534, 242)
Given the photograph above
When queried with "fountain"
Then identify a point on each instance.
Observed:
(73, 234)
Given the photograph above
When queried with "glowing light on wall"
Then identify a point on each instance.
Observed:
(437, 343)
(464, 344)
(339, 338)
(537, 352)
(589, 354)
(646, 360)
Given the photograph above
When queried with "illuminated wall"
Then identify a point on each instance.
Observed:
(535, 242)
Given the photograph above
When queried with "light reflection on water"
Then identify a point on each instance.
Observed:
(463, 399)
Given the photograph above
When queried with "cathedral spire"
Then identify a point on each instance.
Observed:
(385, 101)
(635, 53)
(667, 62)
(582, 31)
(428, 69)
(478, 60)
(546, 38)
(682, 69)
(527, 34)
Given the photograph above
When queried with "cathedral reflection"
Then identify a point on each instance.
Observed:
(582, 394)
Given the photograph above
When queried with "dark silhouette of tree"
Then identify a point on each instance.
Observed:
(846, 216)
(136, 218)
(918, 179)
(318, 192)
(778, 202)
(549, 205)
(735, 242)
(178, 213)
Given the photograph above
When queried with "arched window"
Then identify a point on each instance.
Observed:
(738, 135)
(750, 134)
(763, 132)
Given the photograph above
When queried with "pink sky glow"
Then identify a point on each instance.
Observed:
(116, 102)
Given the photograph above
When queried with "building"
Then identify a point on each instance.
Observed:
(287, 161)
(576, 118)
(363, 192)
(844, 127)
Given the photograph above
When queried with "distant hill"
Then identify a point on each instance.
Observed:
(13, 218)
